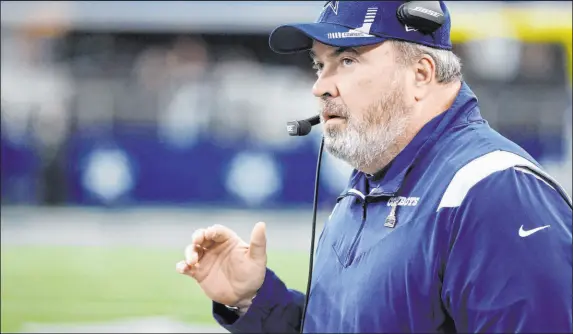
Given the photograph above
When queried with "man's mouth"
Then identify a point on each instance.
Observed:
(328, 117)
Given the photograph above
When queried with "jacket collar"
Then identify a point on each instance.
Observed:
(389, 180)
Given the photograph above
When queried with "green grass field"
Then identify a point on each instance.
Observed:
(50, 284)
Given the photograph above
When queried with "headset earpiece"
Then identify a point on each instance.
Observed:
(425, 16)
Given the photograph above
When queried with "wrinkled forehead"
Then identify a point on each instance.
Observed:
(376, 52)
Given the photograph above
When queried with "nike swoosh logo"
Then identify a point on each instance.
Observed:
(523, 233)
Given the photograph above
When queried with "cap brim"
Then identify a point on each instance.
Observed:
(293, 38)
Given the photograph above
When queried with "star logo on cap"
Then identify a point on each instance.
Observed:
(408, 28)
(333, 5)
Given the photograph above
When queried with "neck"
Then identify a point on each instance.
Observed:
(436, 103)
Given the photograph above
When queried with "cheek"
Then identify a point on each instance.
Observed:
(359, 95)
(408, 94)
(409, 89)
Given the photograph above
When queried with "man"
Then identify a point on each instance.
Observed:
(445, 226)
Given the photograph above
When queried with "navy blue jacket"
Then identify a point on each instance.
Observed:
(462, 233)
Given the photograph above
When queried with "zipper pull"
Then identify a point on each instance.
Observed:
(364, 210)
(391, 219)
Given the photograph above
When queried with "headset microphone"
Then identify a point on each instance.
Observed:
(302, 127)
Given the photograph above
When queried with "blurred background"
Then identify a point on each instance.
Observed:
(126, 125)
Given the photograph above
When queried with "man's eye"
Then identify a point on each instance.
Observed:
(317, 66)
(347, 61)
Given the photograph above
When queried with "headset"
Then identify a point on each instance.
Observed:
(426, 17)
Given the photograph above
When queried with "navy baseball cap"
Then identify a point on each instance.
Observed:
(357, 23)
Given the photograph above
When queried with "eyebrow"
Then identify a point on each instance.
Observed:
(337, 52)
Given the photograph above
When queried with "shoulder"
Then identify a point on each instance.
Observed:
(475, 153)
(503, 179)
(462, 145)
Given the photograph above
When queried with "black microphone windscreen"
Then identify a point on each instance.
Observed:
(304, 128)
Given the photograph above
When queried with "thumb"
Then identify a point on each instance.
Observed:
(258, 246)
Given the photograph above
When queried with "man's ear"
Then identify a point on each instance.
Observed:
(424, 75)
(425, 70)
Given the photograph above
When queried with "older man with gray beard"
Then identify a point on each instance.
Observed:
(445, 225)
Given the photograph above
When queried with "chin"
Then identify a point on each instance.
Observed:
(337, 128)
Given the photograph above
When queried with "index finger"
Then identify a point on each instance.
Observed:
(219, 233)
(192, 254)
(198, 236)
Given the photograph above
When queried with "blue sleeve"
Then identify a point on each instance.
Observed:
(500, 277)
(275, 309)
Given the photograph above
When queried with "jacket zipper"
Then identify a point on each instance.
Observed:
(356, 237)
(358, 194)
(390, 220)
(364, 199)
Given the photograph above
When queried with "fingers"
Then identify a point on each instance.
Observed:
(201, 240)
(214, 234)
(219, 233)
(193, 254)
(198, 236)
(185, 269)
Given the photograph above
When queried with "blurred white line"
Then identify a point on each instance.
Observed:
(166, 228)
(141, 325)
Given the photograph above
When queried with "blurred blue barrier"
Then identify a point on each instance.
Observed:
(546, 146)
(19, 171)
(131, 166)
(135, 168)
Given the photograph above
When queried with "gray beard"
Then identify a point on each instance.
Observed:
(374, 141)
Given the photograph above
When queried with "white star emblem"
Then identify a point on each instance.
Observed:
(408, 28)
(333, 5)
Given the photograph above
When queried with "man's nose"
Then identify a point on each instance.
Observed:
(325, 86)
